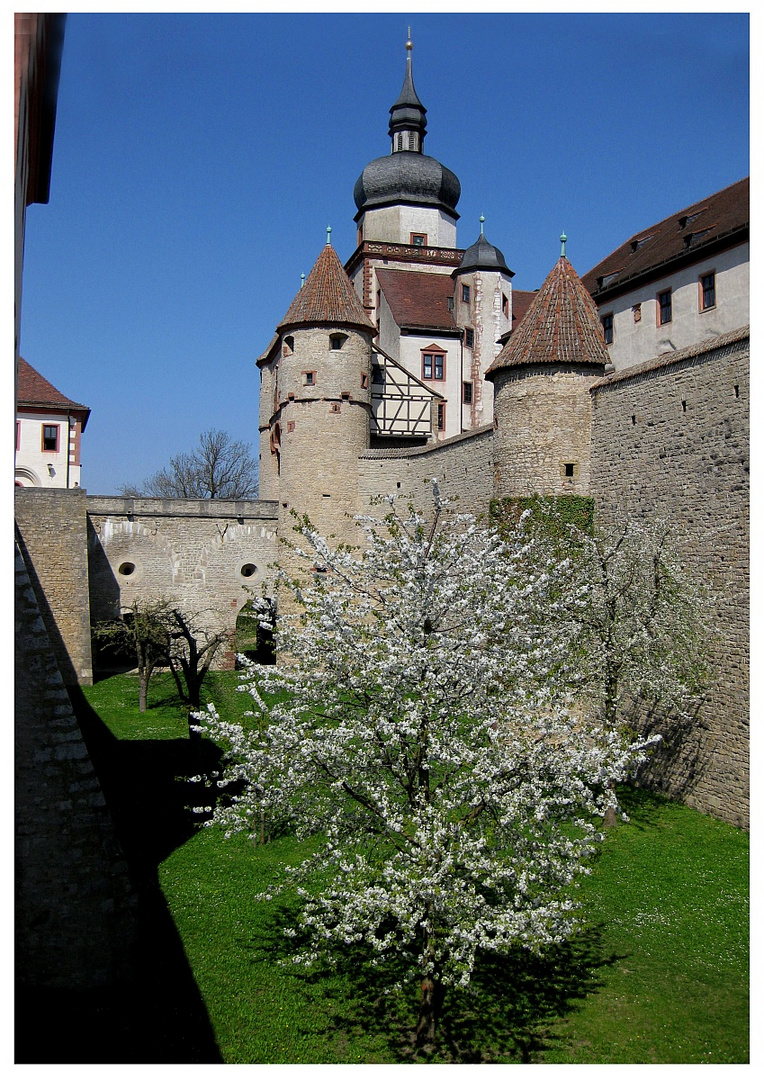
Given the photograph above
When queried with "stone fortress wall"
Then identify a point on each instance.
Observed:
(202, 553)
(670, 441)
(668, 438)
(51, 531)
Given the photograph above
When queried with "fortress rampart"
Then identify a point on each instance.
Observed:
(670, 440)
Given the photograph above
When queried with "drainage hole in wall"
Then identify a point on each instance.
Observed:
(248, 569)
(126, 569)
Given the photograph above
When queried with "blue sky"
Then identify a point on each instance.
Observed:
(199, 158)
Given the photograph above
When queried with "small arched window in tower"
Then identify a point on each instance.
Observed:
(288, 347)
(337, 340)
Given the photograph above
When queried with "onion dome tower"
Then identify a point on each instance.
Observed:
(542, 404)
(407, 194)
(315, 391)
(483, 303)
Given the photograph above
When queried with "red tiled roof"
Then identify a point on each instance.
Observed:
(561, 326)
(521, 302)
(35, 391)
(327, 296)
(418, 300)
(682, 236)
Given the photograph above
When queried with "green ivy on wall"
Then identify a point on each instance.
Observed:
(556, 513)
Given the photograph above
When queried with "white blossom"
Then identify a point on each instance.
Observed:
(424, 727)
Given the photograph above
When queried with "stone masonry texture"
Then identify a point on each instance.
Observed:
(75, 913)
(52, 533)
(202, 554)
(671, 442)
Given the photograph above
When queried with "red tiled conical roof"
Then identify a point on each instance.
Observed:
(327, 296)
(561, 326)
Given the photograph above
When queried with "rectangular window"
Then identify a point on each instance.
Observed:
(607, 328)
(308, 378)
(441, 416)
(664, 307)
(50, 436)
(364, 380)
(378, 374)
(505, 306)
(418, 239)
(707, 291)
(18, 434)
(469, 338)
(433, 365)
(467, 393)
(466, 294)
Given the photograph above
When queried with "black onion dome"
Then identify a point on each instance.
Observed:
(407, 177)
(483, 256)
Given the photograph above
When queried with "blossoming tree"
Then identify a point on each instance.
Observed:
(424, 735)
(642, 629)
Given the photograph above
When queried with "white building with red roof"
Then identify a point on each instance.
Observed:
(49, 428)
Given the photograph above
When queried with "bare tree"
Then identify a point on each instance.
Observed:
(219, 467)
(192, 649)
(142, 632)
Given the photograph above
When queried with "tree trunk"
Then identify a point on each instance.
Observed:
(610, 819)
(425, 1030)
(143, 691)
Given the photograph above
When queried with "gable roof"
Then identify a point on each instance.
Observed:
(419, 301)
(561, 326)
(717, 222)
(34, 391)
(327, 296)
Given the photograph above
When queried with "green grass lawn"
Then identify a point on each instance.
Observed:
(659, 974)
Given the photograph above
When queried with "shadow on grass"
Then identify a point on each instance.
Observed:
(159, 1017)
(642, 806)
(506, 1015)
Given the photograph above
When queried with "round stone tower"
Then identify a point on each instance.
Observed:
(542, 401)
(315, 391)
(483, 306)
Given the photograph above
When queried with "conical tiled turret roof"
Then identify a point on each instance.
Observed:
(327, 296)
(561, 327)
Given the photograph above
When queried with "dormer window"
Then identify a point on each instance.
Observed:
(693, 238)
(337, 340)
(689, 218)
(607, 279)
(637, 244)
